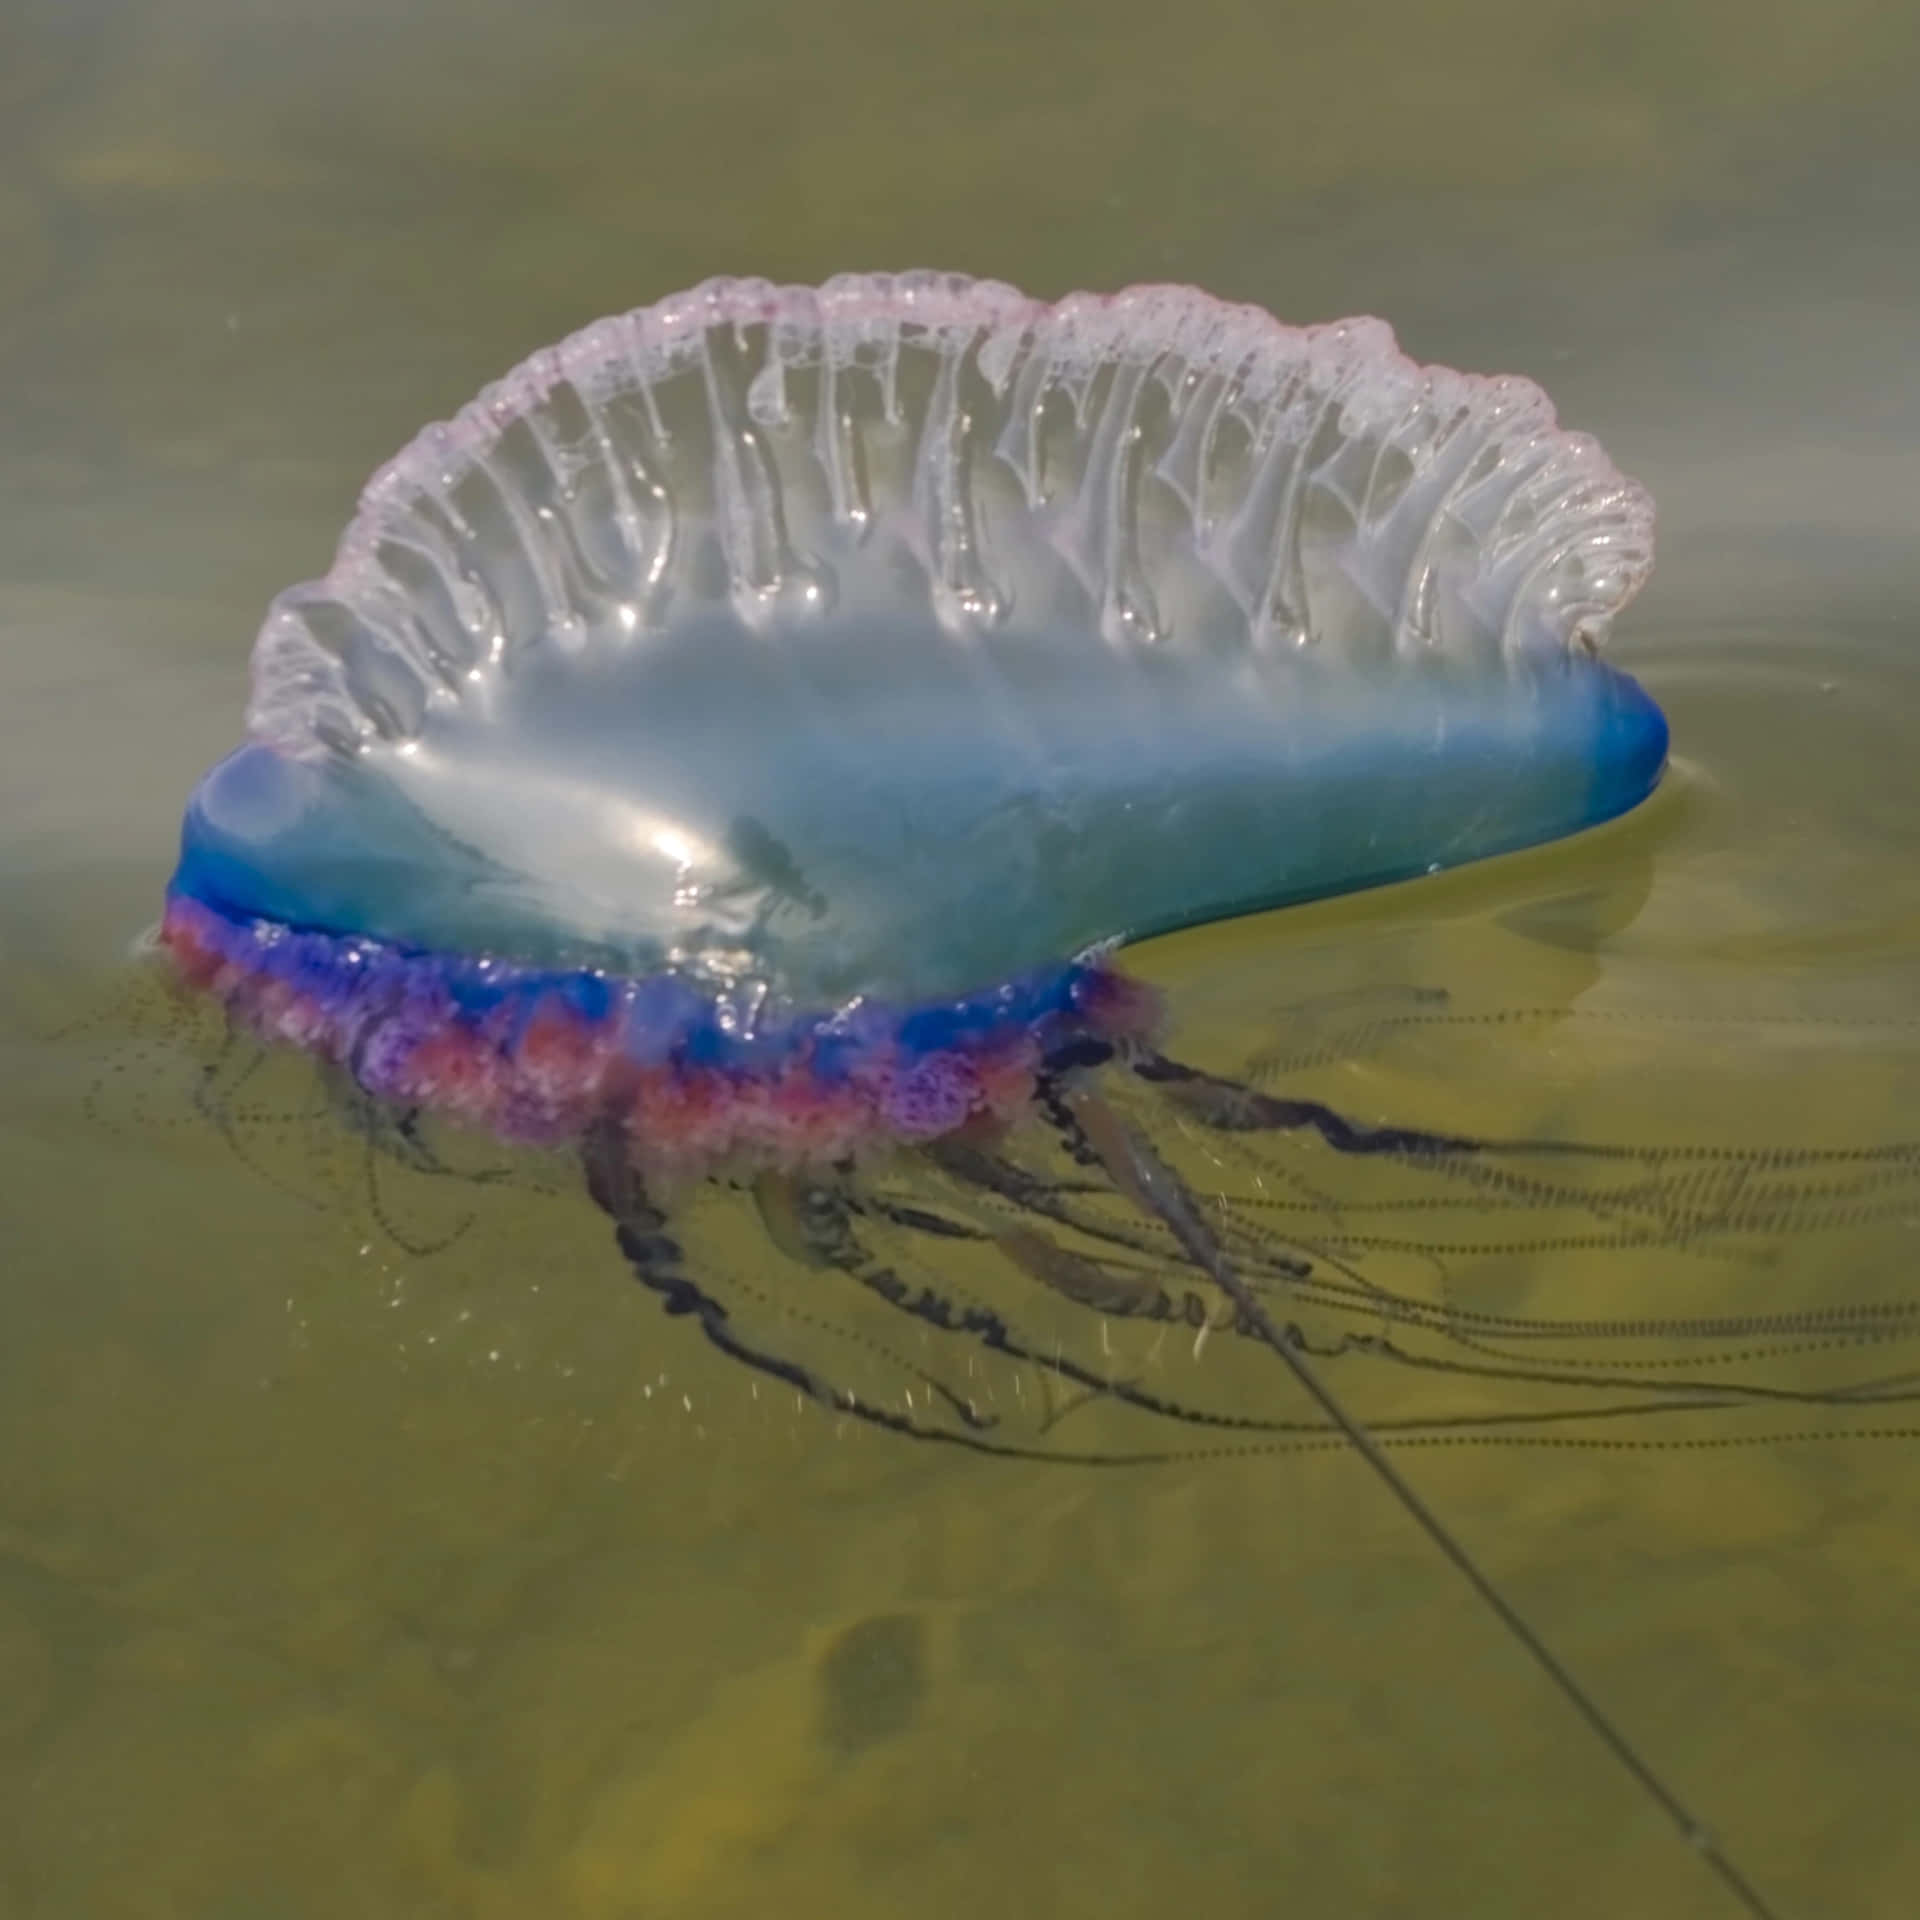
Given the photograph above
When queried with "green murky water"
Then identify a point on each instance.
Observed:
(366, 1550)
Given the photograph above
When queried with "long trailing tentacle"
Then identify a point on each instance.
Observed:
(657, 1260)
(641, 1229)
(1152, 1184)
(1671, 1195)
(813, 1220)
(1144, 1294)
(1370, 1316)
(1701, 1202)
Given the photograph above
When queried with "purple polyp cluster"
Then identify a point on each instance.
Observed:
(694, 1079)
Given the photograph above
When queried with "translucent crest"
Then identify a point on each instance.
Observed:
(1156, 467)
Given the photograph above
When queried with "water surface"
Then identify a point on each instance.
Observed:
(369, 1548)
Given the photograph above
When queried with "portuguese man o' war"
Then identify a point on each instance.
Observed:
(751, 718)
(735, 748)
